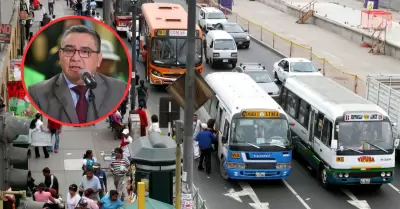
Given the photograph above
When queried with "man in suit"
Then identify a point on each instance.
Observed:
(65, 97)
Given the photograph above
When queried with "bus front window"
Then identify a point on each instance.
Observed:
(361, 136)
(172, 52)
(260, 132)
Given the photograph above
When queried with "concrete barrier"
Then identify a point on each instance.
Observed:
(356, 35)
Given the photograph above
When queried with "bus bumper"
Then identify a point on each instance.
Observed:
(158, 80)
(333, 178)
(243, 174)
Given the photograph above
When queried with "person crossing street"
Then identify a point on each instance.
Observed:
(119, 167)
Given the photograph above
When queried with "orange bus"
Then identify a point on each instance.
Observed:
(163, 33)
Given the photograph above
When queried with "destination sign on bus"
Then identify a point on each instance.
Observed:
(176, 33)
(363, 117)
(260, 114)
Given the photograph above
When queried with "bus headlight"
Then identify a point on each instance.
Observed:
(156, 73)
(283, 165)
(383, 174)
(215, 54)
(346, 175)
(233, 54)
(236, 165)
(388, 174)
(340, 175)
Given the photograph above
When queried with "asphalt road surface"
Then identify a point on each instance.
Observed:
(301, 190)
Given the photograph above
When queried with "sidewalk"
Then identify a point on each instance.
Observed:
(60, 9)
(343, 53)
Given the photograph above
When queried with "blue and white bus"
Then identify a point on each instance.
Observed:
(254, 140)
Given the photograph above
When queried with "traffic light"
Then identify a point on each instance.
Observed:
(10, 128)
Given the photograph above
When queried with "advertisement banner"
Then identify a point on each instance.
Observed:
(15, 70)
(18, 101)
(5, 33)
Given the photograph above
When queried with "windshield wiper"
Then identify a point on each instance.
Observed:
(253, 145)
(276, 145)
(376, 146)
(354, 150)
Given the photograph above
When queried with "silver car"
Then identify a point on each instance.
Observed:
(261, 76)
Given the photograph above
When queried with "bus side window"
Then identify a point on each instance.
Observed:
(318, 125)
(292, 105)
(283, 100)
(219, 119)
(304, 113)
(327, 132)
(226, 132)
(213, 108)
(207, 105)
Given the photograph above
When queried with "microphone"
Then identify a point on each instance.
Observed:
(88, 79)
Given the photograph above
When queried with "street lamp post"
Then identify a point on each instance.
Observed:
(134, 71)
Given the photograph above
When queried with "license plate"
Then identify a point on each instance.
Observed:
(224, 60)
(260, 174)
(365, 181)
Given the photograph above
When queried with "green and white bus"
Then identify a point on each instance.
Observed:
(343, 137)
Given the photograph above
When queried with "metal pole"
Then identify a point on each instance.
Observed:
(106, 12)
(1, 21)
(178, 170)
(189, 99)
(169, 117)
(133, 40)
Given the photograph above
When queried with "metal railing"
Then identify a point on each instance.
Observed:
(198, 202)
(288, 48)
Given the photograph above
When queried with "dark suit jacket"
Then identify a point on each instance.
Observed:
(53, 97)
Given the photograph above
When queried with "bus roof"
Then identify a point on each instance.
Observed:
(165, 16)
(329, 96)
(238, 91)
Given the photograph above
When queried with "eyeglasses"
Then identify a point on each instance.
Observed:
(83, 53)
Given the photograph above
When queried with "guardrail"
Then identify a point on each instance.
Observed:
(288, 48)
(198, 202)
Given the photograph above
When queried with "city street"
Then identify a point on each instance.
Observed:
(300, 190)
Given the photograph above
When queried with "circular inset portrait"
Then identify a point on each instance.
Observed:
(76, 70)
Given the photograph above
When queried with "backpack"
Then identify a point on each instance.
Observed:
(89, 163)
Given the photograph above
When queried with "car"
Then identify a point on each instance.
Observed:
(240, 35)
(289, 67)
(129, 31)
(261, 76)
(209, 17)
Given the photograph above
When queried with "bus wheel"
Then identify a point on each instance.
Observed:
(222, 169)
(323, 177)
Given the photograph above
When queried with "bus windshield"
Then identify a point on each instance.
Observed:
(260, 132)
(362, 136)
(123, 7)
(173, 51)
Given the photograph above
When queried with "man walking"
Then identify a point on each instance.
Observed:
(51, 7)
(205, 138)
(119, 167)
(142, 94)
(97, 171)
(196, 130)
(143, 119)
(55, 130)
(50, 180)
(90, 181)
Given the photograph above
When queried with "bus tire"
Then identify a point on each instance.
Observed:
(222, 169)
(323, 177)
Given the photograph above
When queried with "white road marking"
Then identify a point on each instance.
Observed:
(257, 204)
(297, 195)
(394, 188)
(360, 204)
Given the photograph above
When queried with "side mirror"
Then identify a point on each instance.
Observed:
(334, 144)
(246, 31)
(396, 143)
(224, 140)
(319, 69)
(226, 17)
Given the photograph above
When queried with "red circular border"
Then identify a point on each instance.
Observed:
(82, 18)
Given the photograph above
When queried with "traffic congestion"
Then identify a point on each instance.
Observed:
(355, 175)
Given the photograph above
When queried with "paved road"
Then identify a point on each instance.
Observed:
(299, 187)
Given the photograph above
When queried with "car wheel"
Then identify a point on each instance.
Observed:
(323, 177)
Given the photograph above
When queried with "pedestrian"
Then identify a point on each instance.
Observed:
(50, 180)
(82, 204)
(196, 130)
(205, 139)
(91, 204)
(37, 126)
(46, 19)
(51, 6)
(41, 195)
(88, 161)
(97, 171)
(155, 125)
(122, 107)
(119, 167)
(111, 201)
(142, 94)
(58, 201)
(73, 197)
(55, 130)
(90, 181)
(84, 8)
(143, 119)
(78, 7)
(137, 47)
(125, 141)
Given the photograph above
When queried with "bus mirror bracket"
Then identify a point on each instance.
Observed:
(334, 144)
(396, 143)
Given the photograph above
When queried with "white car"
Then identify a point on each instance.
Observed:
(129, 32)
(209, 17)
(289, 67)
